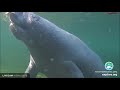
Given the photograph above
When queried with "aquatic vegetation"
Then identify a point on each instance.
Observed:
(41, 75)
(4, 16)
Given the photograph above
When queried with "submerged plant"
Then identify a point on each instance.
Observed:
(4, 16)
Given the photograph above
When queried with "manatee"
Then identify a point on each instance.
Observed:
(54, 51)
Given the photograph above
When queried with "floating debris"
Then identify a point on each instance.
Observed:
(109, 30)
(52, 59)
(89, 42)
(82, 20)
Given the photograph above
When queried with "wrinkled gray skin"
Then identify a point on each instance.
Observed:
(54, 52)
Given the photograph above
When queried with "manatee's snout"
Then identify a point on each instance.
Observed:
(22, 19)
(20, 25)
(15, 21)
(16, 18)
(17, 24)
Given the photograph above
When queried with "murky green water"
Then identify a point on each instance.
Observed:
(98, 30)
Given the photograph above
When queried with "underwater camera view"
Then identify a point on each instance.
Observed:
(59, 45)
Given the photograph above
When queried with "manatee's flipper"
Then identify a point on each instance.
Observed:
(66, 69)
(32, 68)
(73, 70)
(90, 66)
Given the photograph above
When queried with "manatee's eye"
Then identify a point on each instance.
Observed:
(36, 18)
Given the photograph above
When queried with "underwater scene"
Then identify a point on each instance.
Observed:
(100, 31)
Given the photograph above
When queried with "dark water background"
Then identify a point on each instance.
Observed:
(99, 30)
